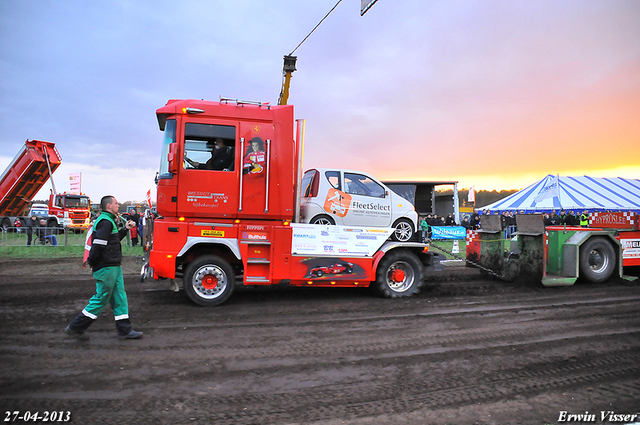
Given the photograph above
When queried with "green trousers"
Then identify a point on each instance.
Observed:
(109, 290)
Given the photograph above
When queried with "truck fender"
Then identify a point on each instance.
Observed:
(192, 241)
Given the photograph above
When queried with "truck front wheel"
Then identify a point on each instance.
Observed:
(209, 280)
(399, 274)
(597, 260)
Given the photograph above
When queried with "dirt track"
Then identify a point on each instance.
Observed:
(466, 350)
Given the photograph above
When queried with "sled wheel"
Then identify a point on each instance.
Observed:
(399, 274)
(209, 281)
(597, 260)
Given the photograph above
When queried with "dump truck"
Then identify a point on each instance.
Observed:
(30, 169)
(229, 198)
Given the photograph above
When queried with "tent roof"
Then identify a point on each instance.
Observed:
(575, 193)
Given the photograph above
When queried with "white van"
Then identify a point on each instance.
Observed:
(354, 198)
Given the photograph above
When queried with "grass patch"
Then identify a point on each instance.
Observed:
(70, 245)
(448, 245)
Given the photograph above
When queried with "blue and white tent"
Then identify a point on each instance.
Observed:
(574, 193)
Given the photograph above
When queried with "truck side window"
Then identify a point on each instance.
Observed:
(209, 147)
(359, 184)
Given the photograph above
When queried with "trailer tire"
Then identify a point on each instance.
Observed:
(209, 281)
(403, 230)
(597, 260)
(6, 223)
(399, 274)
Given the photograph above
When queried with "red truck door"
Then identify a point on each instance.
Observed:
(210, 169)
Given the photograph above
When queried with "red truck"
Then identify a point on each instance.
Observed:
(24, 177)
(228, 199)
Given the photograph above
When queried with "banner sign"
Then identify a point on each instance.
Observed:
(448, 232)
(630, 248)
(75, 183)
(312, 239)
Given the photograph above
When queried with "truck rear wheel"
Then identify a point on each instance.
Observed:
(399, 274)
(597, 260)
(209, 280)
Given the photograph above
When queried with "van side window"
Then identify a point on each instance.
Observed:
(209, 147)
(334, 179)
(358, 184)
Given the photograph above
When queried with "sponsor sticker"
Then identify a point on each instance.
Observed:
(212, 233)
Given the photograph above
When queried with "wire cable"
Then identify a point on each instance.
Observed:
(316, 27)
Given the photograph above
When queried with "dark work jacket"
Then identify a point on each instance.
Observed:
(106, 250)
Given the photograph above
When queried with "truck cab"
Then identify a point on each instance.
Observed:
(70, 210)
(219, 160)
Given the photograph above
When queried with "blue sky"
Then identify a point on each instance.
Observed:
(495, 94)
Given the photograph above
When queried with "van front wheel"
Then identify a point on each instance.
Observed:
(403, 230)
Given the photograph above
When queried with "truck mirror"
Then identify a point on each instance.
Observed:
(172, 157)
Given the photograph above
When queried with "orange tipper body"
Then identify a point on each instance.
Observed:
(227, 199)
(26, 175)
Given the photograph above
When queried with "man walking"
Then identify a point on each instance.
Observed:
(105, 259)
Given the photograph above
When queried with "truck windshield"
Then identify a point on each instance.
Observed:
(80, 202)
(168, 138)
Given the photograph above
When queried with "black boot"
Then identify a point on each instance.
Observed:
(125, 331)
(77, 327)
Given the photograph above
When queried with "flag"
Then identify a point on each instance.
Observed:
(550, 190)
(149, 198)
(87, 246)
(75, 183)
(472, 194)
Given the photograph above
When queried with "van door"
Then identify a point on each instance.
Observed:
(370, 205)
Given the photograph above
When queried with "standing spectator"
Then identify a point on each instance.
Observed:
(584, 219)
(563, 217)
(465, 223)
(475, 221)
(135, 217)
(450, 220)
(32, 224)
(105, 258)
(424, 228)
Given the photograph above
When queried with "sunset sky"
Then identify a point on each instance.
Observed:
(496, 94)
